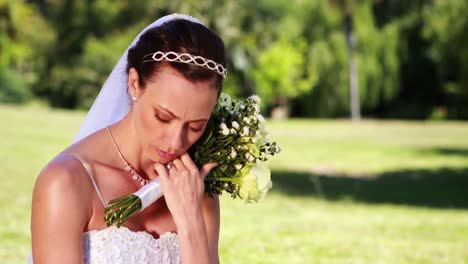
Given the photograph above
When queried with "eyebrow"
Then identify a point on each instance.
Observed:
(173, 115)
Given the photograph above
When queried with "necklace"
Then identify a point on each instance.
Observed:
(128, 167)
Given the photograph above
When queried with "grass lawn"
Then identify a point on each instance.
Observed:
(374, 192)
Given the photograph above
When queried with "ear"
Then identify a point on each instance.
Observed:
(133, 83)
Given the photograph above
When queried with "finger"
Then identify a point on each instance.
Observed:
(161, 171)
(179, 166)
(207, 168)
(188, 162)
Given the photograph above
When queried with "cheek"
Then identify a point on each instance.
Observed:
(146, 124)
(193, 137)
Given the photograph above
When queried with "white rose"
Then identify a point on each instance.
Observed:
(235, 125)
(233, 154)
(256, 99)
(225, 97)
(277, 149)
(260, 118)
(224, 129)
(256, 182)
(250, 157)
(245, 131)
(257, 108)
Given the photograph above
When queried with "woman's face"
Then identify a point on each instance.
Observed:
(171, 113)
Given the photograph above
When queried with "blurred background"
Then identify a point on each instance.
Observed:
(367, 98)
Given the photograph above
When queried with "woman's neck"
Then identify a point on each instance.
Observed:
(131, 148)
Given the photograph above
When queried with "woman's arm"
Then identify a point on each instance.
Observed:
(211, 214)
(193, 240)
(59, 214)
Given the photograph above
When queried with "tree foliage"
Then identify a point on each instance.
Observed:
(24, 38)
(412, 56)
(446, 29)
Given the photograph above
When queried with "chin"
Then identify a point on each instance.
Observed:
(152, 156)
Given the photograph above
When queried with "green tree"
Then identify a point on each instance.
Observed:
(419, 83)
(446, 29)
(376, 56)
(279, 74)
(24, 38)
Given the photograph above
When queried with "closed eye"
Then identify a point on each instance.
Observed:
(197, 126)
(196, 129)
(162, 119)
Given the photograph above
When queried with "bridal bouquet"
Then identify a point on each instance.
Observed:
(235, 138)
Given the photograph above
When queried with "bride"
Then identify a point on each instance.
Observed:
(153, 107)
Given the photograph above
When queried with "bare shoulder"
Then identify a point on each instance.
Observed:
(63, 183)
(64, 173)
(61, 210)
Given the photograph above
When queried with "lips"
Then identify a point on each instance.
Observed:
(165, 155)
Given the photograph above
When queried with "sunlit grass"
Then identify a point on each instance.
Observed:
(371, 146)
(307, 230)
(376, 192)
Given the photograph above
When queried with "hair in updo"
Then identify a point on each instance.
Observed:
(181, 36)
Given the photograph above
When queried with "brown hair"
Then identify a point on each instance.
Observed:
(181, 36)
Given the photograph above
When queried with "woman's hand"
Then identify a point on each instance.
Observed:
(183, 186)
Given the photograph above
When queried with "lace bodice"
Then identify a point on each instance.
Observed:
(121, 245)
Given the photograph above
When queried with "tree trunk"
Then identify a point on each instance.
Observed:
(353, 71)
(280, 108)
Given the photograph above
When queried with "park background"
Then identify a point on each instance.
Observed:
(382, 178)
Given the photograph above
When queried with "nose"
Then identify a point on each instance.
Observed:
(176, 138)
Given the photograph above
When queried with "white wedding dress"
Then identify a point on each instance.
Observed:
(121, 245)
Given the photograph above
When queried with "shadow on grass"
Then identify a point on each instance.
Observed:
(444, 188)
(463, 152)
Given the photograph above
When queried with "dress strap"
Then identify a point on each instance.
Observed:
(86, 167)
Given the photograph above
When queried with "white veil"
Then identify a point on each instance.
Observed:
(113, 101)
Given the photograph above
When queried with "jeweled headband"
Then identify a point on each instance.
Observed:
(186, 57)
